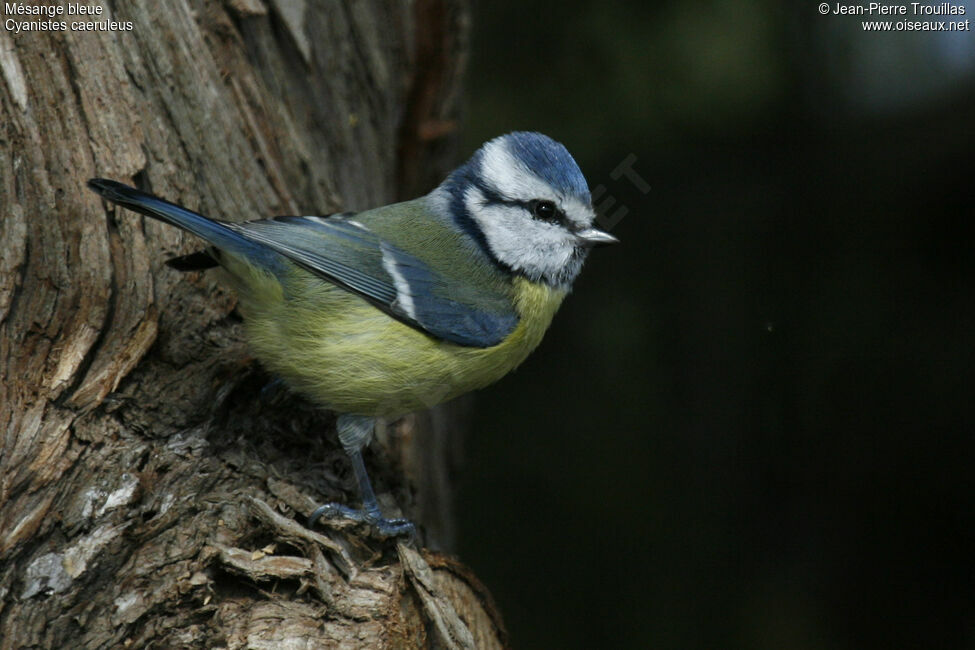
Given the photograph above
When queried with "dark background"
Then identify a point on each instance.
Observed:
(750, 425)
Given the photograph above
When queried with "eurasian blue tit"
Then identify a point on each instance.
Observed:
(395, 309)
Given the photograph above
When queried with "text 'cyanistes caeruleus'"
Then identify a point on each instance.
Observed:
(395, 309)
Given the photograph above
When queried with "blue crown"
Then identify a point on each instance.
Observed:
(550, 161)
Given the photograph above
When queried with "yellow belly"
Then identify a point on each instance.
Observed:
(350, 357)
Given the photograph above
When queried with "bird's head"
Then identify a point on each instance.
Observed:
(524, 199)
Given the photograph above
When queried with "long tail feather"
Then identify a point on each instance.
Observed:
(217, 233)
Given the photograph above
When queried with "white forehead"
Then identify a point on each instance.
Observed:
(512, 179)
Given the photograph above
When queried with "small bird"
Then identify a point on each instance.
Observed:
(395, 309)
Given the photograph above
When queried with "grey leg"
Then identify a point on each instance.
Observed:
(355, 432)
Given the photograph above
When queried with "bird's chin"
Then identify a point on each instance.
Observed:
(567, 274)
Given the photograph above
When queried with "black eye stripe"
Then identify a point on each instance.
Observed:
(558, 216)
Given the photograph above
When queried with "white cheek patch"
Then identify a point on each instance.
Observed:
(533, 247)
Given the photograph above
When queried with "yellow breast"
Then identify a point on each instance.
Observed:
(348, 356)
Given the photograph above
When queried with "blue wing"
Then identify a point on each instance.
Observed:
(348, 254)
(345, 252)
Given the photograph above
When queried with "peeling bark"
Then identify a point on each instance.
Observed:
(150, 493)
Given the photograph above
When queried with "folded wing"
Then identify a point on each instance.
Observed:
(342, 251)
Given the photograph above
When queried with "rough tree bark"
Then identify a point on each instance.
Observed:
(150, 494)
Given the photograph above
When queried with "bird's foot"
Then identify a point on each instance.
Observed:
(370, 518)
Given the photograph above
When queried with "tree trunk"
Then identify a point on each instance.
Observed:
(151, 494)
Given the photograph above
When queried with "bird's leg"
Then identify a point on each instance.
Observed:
(355, 432)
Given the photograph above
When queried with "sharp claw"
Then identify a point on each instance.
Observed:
(382, 527)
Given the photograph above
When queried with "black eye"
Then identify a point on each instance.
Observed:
(545, 210)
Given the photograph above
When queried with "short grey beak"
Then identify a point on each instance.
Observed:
(593, 237)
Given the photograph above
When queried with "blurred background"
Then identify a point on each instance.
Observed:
(750, 426)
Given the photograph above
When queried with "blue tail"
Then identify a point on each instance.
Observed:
(220, 234)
